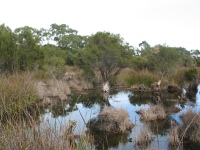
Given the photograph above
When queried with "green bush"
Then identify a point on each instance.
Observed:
(190, 74)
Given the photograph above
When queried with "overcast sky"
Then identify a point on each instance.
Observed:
(171, 22)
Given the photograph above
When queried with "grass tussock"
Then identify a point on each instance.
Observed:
(154, 112)
(112, 121)
(16, 92)
(190, 128)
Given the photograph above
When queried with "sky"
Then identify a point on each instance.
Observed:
(175, 23)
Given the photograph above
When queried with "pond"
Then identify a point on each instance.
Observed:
(83, 107)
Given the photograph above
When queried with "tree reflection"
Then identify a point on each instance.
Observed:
(92, 98)
(106, 141)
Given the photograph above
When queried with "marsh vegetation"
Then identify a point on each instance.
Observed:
(51, 92)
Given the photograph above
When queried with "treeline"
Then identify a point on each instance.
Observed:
(51, 49)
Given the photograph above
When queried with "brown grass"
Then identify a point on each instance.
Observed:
(17, 91)
(173, 137)
(113, 121)
(190, 128)
(22, 136)
(154, 112)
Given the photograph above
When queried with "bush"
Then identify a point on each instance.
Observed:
(190, 74)
(56, 66)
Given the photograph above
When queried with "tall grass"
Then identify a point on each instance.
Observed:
(184, 74)
(16, 93)
(20, 136)
(20, 127)
(129, 77)
(190, 128)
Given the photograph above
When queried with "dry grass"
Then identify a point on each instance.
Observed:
(113, 121)
(29, 137)
(178, 76)
(154, 112)
(190, 128)
(173, 137)
(16, 92)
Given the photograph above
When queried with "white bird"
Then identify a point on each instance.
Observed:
(183, 92)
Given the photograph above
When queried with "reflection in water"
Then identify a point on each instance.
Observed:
(90, 105)
(198, 95)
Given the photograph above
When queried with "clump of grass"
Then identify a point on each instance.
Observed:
(112, 121)
(17, 91)
(140, 77)
(154, 112)
(190, 128)
(145, 136)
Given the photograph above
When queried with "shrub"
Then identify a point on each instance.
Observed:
(190, 74)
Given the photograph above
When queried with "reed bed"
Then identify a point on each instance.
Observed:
(31, 136)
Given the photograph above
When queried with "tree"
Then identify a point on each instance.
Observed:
(55, 59)
(29, 54)
(145, 48)
(185, 55)
(7, 48)
(105, 53)
(164, 59)
(65, 38)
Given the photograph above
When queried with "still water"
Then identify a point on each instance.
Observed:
(83, 107)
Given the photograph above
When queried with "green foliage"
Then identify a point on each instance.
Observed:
(55, 59)
(190, 74)
(164, 59)
(65, 38)
(197, 60)
(140, 77)
(105, 53)
(28, 49)
(7, 48)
